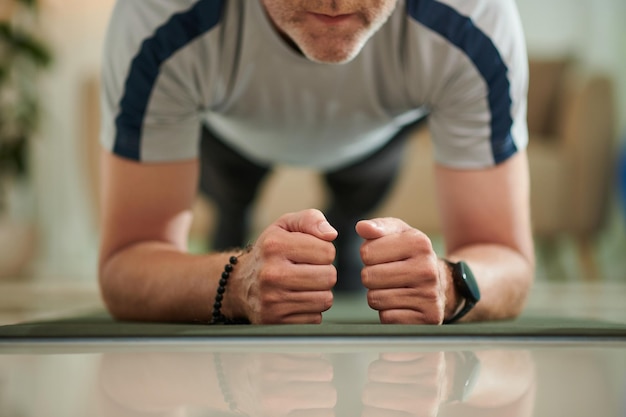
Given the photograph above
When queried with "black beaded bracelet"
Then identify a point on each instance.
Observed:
(218, 317)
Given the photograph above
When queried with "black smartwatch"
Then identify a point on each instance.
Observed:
(466, 287)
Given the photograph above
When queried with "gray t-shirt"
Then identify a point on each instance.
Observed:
(171, 65)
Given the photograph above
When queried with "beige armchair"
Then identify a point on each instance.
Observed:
(572, 124)
(572, 137)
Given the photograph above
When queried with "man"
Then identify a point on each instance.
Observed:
(329, 85)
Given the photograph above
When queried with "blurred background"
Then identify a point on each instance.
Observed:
(577, 116)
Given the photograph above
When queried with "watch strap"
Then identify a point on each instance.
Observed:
(459, 272)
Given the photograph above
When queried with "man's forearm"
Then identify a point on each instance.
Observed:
(153, 281)
(504, 277)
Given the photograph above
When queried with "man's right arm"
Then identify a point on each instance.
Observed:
(146, 273)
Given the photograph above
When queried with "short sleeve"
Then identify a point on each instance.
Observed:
(151, 97)
(478, 111)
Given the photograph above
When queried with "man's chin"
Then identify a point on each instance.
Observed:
(331, 56)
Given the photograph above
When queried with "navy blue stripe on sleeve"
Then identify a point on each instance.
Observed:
(180, 30)
(460, 31)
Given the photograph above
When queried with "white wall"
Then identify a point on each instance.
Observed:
(593, 30)
(75, 29)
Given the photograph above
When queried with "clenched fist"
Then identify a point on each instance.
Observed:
(289, 274)
(406, 282)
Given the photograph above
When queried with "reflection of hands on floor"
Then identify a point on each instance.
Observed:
(450, 384)
(256, 384)
(276, 385)
(405, 384)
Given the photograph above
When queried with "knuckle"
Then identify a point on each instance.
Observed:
(272, 244)
(434, 317)
(268, 276)
(430, 297)
(430, 275)
(365, 254)
(433, 312)
(373, 300)
(366, 277)
(323, 253)
(269, 299)
(419, 240)
(432, 272)
(426, 274)
(329, 252)
(316, 319)
(332, 277)
(308, 216)
(327, 300)
(387, 317)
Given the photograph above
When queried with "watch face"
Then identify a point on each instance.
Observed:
(470, 282)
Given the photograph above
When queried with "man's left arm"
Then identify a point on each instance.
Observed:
(485, 222)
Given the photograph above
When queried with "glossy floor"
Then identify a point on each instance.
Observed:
(310, 380)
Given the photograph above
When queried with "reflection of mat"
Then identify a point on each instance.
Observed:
(102, 327)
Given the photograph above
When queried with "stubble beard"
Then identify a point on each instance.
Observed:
(330, 44)
(334, 47)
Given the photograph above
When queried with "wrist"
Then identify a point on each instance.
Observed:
(465, 287)
(453, 301)
(229, 304)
